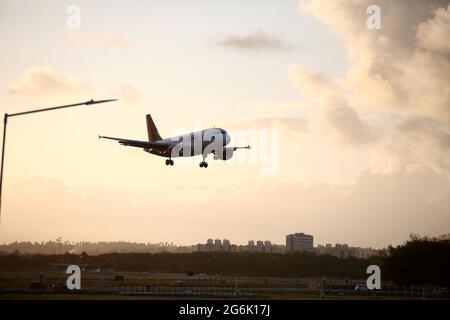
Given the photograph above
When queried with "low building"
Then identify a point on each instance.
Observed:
(344, 251)
(226, 246)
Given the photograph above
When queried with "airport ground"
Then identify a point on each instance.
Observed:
(155, 286)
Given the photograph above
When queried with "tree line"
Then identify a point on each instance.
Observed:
(419, 261)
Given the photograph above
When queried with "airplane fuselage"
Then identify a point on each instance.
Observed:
(193, 144)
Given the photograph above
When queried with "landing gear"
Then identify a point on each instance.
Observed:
(204, 164)
(169, 162)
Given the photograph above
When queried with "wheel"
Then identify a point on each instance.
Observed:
(205, 165)
(201, 164)
(167, 162)
(171, 162)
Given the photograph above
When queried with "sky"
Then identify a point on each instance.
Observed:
(350, 125)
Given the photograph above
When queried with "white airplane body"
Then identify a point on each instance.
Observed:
(204, 142)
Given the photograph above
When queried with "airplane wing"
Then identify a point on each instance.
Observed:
(162, 146)
(236, 148)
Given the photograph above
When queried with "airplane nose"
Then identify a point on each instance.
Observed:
(227, 138)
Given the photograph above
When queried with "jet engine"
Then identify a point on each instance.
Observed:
(223, 154)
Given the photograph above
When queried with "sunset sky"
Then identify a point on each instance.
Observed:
(358, 120)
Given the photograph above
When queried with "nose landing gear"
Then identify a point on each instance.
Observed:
(169, 162)
(203, 164)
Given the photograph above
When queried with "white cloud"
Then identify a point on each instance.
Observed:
(401, 66)
(44, 81)
(433, 34)
(313, 83)
(402, 69)
(336, 117)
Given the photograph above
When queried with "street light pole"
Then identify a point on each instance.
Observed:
(5, 123)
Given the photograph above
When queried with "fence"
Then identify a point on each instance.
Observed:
(188, 291)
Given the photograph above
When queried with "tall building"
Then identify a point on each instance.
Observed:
(299, 242)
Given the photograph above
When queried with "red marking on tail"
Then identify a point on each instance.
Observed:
(153, 134)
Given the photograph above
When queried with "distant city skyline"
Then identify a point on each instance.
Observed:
(296, 242)
(61, 246)
(214, 240)
(217, 245)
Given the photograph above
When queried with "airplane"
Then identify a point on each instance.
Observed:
(204, 142)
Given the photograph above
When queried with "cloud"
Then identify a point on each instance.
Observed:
(400, 74)
(44, 81)
(292, 124)
(427, 127)
(254, 41)
(309, 82)
(336, 116)
(433, 34)
(355, 213)
(414, 142)
(128, 94)
(349, 127)
(52, 207)
(393, 205)
(401, 66)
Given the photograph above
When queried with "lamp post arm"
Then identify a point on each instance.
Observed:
(60, 107)
(5, 123)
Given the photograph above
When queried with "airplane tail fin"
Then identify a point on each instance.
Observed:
(153, 134)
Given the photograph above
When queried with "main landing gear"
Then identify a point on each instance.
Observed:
(169, 162)
(204, 164)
